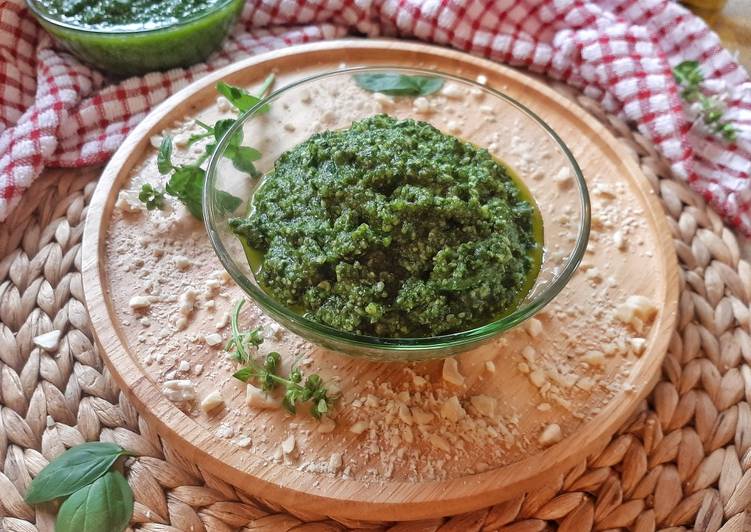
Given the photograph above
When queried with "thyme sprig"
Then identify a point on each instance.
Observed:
(688, 75)
(264, 372)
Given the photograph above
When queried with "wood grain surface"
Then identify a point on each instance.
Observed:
(383, 498)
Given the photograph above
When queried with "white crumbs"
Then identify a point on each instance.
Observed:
(48, 341)
(257, 398)
(211, 402)
(179, 390)
(127, 201)
(288, 445)
(563, 178)
(551, 434)
(452, 409)
(637, 311)
(213, 339)
(140, 302)
(186, 303)
(451, 90)
(182, 262)
(335, 462)
(451, 372)
(533, 326)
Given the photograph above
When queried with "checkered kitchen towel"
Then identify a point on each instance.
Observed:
(56, 112)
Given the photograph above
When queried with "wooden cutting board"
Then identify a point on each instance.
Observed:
(534, 378)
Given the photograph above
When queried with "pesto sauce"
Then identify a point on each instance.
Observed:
(129, 14)
(391, 228)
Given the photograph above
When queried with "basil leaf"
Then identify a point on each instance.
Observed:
(226, 202)
(164, 157)
(221, 128)
(75, 468)
(242, 158)
(186, 184)
(399, 84)
(105, 505)
(243, 374)
(241, 99)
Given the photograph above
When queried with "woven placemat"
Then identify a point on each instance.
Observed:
(681, 462)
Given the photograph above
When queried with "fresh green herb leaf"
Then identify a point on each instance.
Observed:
(164, 157)
(153, 198)
(688, 75)
(186, 181)
(241, 99)
(226, 202)
(77, 467)
(399, 84)
(104, 505)
(242, 158)
(222, 126)
(728, 131)
(186, 184)
(244, 374)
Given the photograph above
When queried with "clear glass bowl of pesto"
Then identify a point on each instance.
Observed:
(133, 37)
(397, 214)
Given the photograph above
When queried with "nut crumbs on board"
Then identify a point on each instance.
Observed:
(451, 372)
(551, 434)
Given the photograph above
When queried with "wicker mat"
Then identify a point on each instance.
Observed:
(682, 461)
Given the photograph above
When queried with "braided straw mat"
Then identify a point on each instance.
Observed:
(682, 461)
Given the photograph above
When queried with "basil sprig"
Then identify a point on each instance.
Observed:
(98, 498)
(397, 84)
(186, 184)
(186, 181)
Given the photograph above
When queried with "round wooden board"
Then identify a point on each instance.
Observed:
(649, 267)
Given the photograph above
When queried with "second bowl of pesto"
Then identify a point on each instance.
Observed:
(138, 36)
(396, 213)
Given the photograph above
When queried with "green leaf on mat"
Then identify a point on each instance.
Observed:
(72, 470)
(103, 506)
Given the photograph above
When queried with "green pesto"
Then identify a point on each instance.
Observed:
(391, 228)
(125, 13)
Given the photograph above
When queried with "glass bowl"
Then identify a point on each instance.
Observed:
(464, 108)
(127, 52)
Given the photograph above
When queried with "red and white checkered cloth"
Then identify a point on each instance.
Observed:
(55, 111)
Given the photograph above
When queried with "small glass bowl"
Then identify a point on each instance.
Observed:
(128, 52)
(472, 111)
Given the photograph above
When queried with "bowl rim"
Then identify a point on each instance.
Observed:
(39, 13)
(470, 336)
